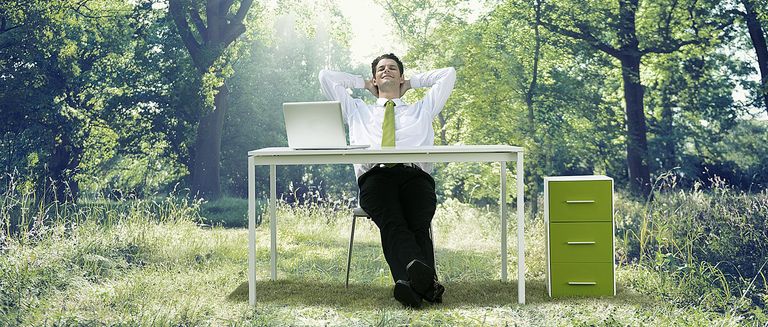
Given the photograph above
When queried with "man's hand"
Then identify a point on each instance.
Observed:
(372, 88)
(405, 87)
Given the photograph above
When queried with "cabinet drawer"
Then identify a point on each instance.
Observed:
(580, 201)
(582, 279)
(581, 242)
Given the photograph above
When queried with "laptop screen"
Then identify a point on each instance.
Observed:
(314, 125)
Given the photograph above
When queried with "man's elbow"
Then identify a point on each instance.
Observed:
(322, 75)
(450, 74)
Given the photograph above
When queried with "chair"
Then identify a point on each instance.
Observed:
(359, 212)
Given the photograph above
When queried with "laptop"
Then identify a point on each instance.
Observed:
(316, 126)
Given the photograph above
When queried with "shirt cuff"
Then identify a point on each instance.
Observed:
(416, 81)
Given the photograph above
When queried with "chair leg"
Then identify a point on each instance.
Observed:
(349, 253)
(432, 237)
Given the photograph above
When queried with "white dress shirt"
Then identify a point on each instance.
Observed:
(413, 122)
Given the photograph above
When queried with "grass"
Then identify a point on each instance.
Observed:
(152, 263)
(227, 212)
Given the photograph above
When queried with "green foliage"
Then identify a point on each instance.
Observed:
(710, 243)
(53, 81)
(103, 95)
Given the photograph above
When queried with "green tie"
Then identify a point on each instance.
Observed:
(388, 126)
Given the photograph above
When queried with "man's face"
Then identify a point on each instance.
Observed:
(387, 74)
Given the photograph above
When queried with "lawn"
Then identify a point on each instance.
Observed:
(155, 264)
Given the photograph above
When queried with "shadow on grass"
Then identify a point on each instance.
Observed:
(365, 296)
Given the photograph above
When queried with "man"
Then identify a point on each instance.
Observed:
(400, 198)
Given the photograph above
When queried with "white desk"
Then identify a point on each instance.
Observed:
(464, 153)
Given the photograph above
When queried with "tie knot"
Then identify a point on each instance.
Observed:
(389, 104)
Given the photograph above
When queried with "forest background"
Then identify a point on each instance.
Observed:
(125, 101)
(112, 98)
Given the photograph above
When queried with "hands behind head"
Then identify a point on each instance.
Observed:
(372, 88)
(404, 87)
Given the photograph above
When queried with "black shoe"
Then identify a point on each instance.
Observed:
(421, 276)
(435, 295)
(406, 295)
(424, 281)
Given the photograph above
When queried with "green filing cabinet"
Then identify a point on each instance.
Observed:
(578, 215)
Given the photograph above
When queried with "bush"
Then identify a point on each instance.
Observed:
(713, 239)
(227, 212)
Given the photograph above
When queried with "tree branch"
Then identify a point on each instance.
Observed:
(583, 35)
(214, 19)
(245, 5)
(400, 25)
(194, 16)
(4, 29)
(78, 9)
(176, 9)
(667, 30)
(225, 4)
(668, 47)
(736, 12)
(235, 27)
(232, 32)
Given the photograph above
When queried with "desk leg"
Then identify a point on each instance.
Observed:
(520, 230)
(251, 231)
(273, 220)
(503, 209)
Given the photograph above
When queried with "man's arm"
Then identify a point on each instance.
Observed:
(335, 85)
(441, 82)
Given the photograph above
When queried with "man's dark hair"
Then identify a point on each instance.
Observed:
(387, 56)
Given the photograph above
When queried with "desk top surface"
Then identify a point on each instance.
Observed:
(439, 149)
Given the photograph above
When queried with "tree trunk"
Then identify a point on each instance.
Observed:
(443, 122)
(637, 144)
(630, 55)
(530, 97)
(61, 185)
(222, 29)
(761, 49)
(205, 164)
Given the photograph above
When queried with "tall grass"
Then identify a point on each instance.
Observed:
(46, 246)
(709, 246)
(163, 262)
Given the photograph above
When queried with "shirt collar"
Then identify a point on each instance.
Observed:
(381, 101)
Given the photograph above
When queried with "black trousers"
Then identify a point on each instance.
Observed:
(401, 201)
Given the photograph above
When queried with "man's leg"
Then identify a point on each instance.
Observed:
(379, 197)
(417, 195)
(419, 202)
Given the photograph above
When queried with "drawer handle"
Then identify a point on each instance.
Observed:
(579, 201)
(582, 283)
(581, 243)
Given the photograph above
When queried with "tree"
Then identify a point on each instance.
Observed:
(753, 11)
(207, 43)
(56, 58)
(515, 86)
(691, 107)
(616, 31)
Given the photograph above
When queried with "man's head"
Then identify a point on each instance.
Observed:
(387, 71)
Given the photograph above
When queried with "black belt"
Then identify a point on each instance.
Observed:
(404, 164)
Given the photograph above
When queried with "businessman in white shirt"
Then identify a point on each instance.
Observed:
(400, 198)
